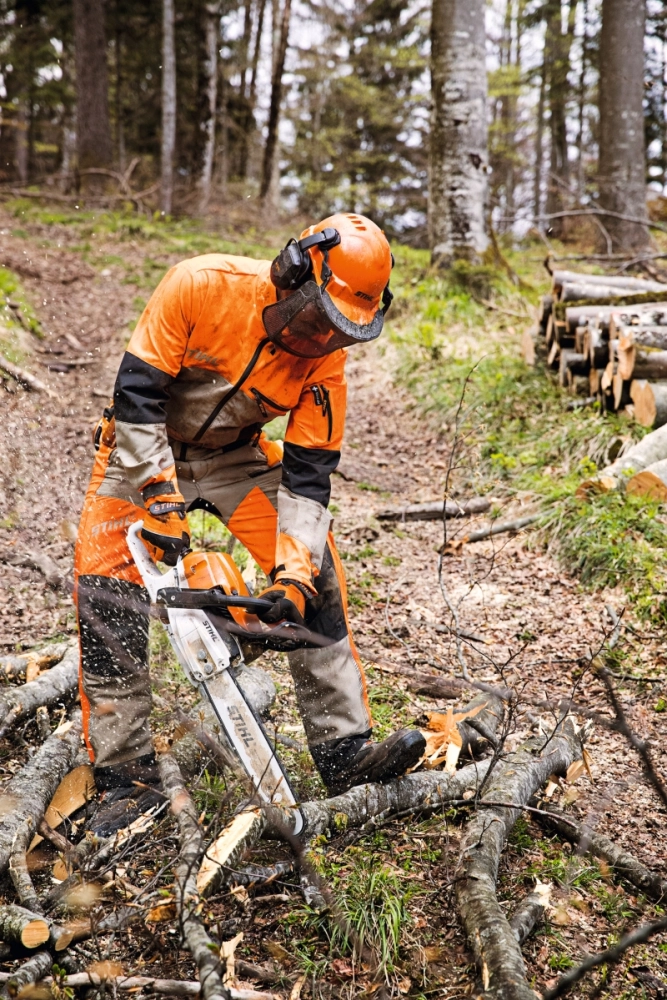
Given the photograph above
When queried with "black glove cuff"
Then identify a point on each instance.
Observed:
(162, 507)
(295, 583)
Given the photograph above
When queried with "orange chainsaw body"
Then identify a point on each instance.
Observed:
(204, 570)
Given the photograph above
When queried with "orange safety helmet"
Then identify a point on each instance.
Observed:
(338, 275)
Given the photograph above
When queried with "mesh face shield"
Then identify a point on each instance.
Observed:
(309, 325)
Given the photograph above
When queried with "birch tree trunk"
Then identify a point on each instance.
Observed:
(459, 131)
(622, 166)
(279, 55)
(212, 15)
(168, 106)
(94, 145)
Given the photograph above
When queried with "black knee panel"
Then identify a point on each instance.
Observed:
(113, 625)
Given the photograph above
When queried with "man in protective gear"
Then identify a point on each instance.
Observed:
(225, 345)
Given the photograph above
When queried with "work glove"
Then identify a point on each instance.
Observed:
(289, 602)
(165, 528)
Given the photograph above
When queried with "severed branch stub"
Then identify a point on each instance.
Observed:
(200, 945)
(530, 911)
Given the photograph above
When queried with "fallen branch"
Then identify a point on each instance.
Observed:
(434, 511)
(493, 529)
(29, 973)
(489, 933)
(27, 794)
(609, 957)
(51, 687)
(626, 865)
(170, 987)
(191, 838)
(23, 377)
(424, 791)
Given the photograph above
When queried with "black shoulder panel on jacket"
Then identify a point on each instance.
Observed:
(307, 471)
(141, 392)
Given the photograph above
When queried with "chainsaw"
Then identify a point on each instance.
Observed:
(205, 606)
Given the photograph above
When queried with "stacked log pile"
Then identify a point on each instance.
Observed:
(607, 339)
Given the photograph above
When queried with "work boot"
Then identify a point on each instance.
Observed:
(127, 791)
(354, 760)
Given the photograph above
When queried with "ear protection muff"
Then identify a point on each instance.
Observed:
(293, 266)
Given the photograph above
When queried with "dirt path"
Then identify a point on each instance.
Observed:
(536, 624)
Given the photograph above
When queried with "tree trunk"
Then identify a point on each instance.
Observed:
(94, 145)
(622, 166)
(539, 145)
(280, 52)
(212, 15)
(557, 46)
(168, 106)
(459, 131)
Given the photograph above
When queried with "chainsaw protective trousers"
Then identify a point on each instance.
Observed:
(241, 488)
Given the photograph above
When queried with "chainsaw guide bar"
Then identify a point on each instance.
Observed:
(209, 652)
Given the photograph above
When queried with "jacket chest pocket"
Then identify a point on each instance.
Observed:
(268, 407)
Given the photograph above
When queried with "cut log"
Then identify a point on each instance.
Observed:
(489, 933)
(15, 667)
(596, 347)
(27, 794)
(553, 355)
(633, 362)
(645, 334)
(245, 828)
(21, 927)
(650, 449)
(528, 348)
(650, 402)
(561, 278)
(595, 380)
(433, 511)
(624, 864)
(651, 482)
(25, 977)
(620, 388)
(202, 948)
(530, 912)
(54, 686)
(543, 313)
(608, 304)
(571, 363)
(583, 290)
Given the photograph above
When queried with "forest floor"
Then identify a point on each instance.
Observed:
(81, 284)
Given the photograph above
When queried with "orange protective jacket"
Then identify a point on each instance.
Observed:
(199, 370)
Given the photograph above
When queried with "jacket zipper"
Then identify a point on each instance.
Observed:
(262, 399)
(323, 399)
(231, 392)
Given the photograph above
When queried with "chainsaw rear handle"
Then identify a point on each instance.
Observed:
(199, 600)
